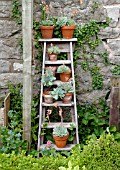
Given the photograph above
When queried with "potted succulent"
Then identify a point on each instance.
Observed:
(65, 72)
(47, 80)
(68, 92)
(67, 26)
(53, 52)
(60, 133)
(57, 93)
(47, 27)
(51, 68)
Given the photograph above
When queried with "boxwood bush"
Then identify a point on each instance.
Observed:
(98, 154)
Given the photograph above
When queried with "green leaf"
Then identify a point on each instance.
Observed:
(112, 129)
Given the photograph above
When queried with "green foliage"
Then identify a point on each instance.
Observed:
(116, 70)
(65, 21)
(69, 167)
(60, 131)
(67, 87)
(99, 154)
(48, 78)
(116, 134)
(57, 92)
(92, 119)
(97, 80)
(63, 68)
(46, 22)
(54, 49)
(16, 12)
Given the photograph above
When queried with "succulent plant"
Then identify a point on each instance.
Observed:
(60, 131)
(53, 49)
(48, 78)
(63, 68)
(46, 22)
(57, 92)
(66, 87)
(65, 21)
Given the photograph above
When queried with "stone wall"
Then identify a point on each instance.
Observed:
(10, 54)
(11, 57)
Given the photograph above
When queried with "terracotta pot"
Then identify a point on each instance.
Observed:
(52, 68)
(67, 98)
(60, 141)
(64, 77)
(47, 97)
(47, 31)
(67, 31)
(53, 56)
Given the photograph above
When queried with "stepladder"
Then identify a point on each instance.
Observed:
(69, 109)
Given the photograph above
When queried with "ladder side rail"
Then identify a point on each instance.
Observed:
(40, 109)
(75, 106)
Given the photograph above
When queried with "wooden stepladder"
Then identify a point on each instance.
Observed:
(66, 46)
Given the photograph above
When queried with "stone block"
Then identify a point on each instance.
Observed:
(114, 45)
(5, 8)
(17, 66)
(10, 77)
(1, 116)
(107, 33)
(111, 2)
(113, 12)
(8, 28)
(4, 66)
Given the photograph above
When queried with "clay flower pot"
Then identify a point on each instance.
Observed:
(52, 68)
(47, 31)
(47, 97)
(64, 77)
(53, 56)
(67, 31)
(67, 98)
(60, 141)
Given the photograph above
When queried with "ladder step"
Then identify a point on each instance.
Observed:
(66, 148)
(53, 125)
(59, 103)
(58, 40)
(58, 62)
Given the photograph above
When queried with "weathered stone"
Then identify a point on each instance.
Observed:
(114, 45)
(1, 116)
(18, 66)
(109, 33)
(4, 66)
(8, 28)
(111, 2)
(5, 8)
(113, 12)
(10, 77)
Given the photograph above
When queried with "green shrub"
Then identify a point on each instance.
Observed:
(99, 154)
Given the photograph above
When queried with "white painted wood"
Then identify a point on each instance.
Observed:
(58, 62)
(58, 40)
(53, 125)
(27, 25)
(59, 103)
(67, 148)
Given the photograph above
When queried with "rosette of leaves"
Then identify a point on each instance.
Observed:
(48, 78)
(65, 21)
(46, 22)
(54, 49)
(57, 92)
(66, 87)
(63, 68)
(60, 131)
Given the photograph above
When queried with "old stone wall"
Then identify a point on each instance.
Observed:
(82, 11)
(10, 55)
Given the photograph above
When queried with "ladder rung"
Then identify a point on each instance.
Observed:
(58, 40)
(59, 103)
(58, 62)
(66, 148)
(53, 125)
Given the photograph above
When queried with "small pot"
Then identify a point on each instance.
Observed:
(52, 68)
(67, 98)
(60, 141)
(47, 97)
(67, 31)
(47, 31)
(64, 77)
(53, 56)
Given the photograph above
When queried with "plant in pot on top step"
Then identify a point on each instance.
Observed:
(65, 72)
(47, 27)
(53, 52)
(67, 26)
(60, 133)
(47, 80)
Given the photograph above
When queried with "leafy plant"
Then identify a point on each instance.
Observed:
(60, 131)
(116, 70)
(67, 87)
(48, 78)
(57, 92)
(65, 21)
(63, 68)
(69, 167)
(46, 22)
(53, 49)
